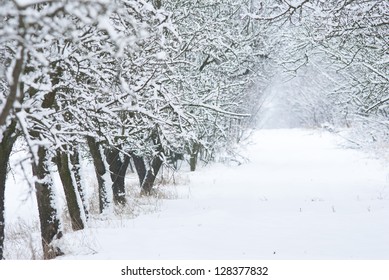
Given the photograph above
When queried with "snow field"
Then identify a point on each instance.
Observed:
(303, 195)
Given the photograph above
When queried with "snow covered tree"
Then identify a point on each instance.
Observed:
(219, 57)
(8, 129)
(159, 104)
(9, 136)
(63, 60)
(31, 98)
(355, 38)
(344, 43)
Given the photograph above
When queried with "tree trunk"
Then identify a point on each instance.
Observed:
(103, 178)
(8, 140)
(193, 156)
(76, 170)
(151, 174)
(71, 191)
(48, 215)
(140, 167)
(155, 165)
(117, 168)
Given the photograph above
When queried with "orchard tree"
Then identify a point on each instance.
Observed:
(61, 56)
(356, 39)
(343, 44)
(220, 55)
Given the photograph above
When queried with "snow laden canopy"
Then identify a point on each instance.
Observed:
(333, 61)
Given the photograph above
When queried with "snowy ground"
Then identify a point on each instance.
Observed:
(303, 195)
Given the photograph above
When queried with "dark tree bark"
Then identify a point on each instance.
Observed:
(140, 167)
(101, 173)
(151, 174)
(76, 169)
(117, 167)
(174, 158)
(155, 165)
(8, 140)
(15, 92)
(70, 189)
(48, 216)
(194, 156)
(157, 4)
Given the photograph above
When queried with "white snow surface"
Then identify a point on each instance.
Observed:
(302, 195)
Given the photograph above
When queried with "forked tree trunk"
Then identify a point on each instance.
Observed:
(102, 174)
(48, 215)
(117, 167)
(140, 167)
(151, 174)
(8, 140)
(155, 165)
(73, 200)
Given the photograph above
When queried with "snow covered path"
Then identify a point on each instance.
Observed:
(302, 196)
